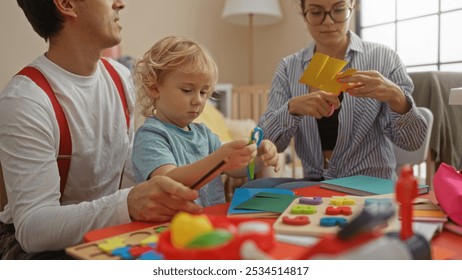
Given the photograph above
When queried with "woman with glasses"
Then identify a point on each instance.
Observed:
(377, 105)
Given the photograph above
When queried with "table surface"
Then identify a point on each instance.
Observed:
(446, 245)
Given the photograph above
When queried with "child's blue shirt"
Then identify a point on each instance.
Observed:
(157, 143)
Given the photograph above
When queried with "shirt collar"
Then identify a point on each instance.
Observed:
(355, 44)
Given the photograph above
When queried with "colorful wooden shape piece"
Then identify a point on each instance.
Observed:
(295, 221)
(136, 251)
(160, 229)
(369, 201)
(341, 210)
(310, 201)
(123, 253)
(111, 244)
(340, 201)
(303, 209)
(153, 239)
(333, 221)
(151, 255)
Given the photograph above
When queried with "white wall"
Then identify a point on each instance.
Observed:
(146, 21)
(20, 44)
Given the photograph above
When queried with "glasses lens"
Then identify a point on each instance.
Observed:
(340, 13)
(314, 15)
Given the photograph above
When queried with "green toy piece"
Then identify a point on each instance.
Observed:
(210, 239)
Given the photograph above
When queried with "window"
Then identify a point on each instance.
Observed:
(425, 33)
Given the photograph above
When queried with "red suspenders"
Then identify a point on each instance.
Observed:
(65, 143)
(116, 78)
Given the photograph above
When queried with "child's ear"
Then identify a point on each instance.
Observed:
(154, 90)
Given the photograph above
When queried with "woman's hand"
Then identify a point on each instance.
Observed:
(372, 84)
(317, 104)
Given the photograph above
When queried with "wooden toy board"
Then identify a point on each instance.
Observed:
(315, 229)
(92, 250)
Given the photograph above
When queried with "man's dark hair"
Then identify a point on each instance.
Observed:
(43, 16)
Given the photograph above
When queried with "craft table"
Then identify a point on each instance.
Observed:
(445, 245)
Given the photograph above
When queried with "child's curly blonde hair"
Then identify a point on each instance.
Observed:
(169, 54)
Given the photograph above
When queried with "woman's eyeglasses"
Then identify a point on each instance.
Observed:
(316, 15)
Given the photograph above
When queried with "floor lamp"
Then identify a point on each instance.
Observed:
(251, 13)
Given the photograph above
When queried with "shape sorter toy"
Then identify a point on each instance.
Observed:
(138, 244)
(315, 216)
(187, 237)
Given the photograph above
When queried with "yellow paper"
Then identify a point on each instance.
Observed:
(332, 67)
(311, 74)
(322, 73)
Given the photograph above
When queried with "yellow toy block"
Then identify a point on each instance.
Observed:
(341, 201)
(111, 244)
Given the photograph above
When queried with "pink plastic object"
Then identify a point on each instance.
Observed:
(228, 251)
(447, 184)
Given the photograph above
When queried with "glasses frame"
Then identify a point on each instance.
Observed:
(328, 13)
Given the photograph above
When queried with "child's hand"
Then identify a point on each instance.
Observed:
(238, 154)
(268, 154)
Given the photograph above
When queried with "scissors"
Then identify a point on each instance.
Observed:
(256, 136)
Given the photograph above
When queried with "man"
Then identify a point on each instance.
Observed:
(40, 220)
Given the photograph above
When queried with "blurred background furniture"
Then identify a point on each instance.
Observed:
(431, 90)
(420, 155)
(2, 190)
(455, 98)
(249, 102)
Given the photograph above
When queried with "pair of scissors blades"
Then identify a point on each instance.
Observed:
(256, 136)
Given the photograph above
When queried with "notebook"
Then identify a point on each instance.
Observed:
(423, 210)
(259, 202)
(365, 185)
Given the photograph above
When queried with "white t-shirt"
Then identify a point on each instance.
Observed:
(29, 145)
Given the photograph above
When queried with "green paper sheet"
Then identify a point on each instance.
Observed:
(269, 202)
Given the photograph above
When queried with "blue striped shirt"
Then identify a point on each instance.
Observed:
(364, 123)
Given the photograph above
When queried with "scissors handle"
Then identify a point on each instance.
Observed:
(256, 136)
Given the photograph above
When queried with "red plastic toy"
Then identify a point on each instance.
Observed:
(228, 251)
(406, 192)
